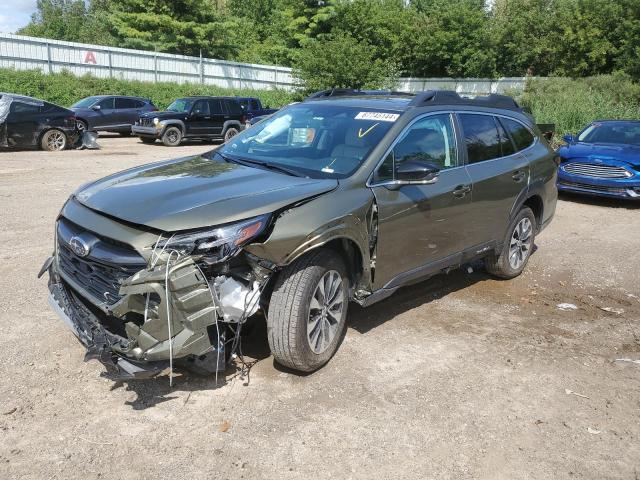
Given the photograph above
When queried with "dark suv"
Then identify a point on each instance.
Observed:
(205, 118)
(110, 113)
(328, 201)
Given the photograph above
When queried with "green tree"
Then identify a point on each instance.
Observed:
(72, 20)
(448, 38)
(341, 61)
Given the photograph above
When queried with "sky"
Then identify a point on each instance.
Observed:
(15, 14)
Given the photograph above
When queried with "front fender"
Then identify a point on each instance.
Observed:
(341, 214)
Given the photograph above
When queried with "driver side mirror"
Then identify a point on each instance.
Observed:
(568, 138)
(414, 172)
(96, 108)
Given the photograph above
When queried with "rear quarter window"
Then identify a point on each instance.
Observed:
(520, 134)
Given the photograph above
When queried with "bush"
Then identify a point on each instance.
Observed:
(65, 88)
(573, 103)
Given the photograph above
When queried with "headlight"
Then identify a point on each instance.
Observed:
(156, 120)
(218, 243)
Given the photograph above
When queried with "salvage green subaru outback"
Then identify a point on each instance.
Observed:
(344, 197)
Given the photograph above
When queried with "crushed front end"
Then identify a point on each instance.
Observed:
(140, 300)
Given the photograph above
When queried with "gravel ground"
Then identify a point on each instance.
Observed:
(460, 377)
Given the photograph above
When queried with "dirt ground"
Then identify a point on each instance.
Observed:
(461, 377)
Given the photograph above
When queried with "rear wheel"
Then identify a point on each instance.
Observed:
(54, 140)
(308, 311)
(231, 132)
(172, 137)
(517, 247)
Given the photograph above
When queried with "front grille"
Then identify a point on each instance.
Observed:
(595, 188)
(98, 277)
(145, 122)
(597, 171)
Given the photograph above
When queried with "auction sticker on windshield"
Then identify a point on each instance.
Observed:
(379, 116)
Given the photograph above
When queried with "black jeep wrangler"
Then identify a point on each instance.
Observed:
(207, 118)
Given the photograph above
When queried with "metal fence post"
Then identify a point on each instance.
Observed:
(155, 67)
(50, 67)
(110, 66)
(201, 69)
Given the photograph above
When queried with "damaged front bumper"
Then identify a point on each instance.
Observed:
(97, 340)
(139, 318)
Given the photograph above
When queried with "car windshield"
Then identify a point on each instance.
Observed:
(182, 105)
(85, 102)
(318, 140)
(624, 133)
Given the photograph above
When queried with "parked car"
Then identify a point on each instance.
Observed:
(328, 201)
(205, 118)
(252, 107)
(30, 122)
(602, 160)
(110, 113)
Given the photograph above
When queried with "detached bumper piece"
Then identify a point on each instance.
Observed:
(98, 340)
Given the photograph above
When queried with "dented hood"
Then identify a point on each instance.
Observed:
(196, 192)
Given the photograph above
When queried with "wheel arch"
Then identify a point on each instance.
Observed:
(174, 123)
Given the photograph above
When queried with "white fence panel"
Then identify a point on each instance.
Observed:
(24, 53)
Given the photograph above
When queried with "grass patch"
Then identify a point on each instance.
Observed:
(573, 103)
(64, 88)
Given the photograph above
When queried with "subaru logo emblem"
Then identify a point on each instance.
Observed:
(79, 246)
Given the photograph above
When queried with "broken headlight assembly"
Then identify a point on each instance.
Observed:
(218, 243)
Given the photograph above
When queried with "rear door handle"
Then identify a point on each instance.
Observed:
(461, 190)
(518, 175)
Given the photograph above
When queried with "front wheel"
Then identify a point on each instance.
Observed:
(517, 246)
(54, 140)
(172, 137)
(308, 311)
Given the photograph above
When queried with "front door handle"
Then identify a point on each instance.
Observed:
(461, 190)
(518, 176)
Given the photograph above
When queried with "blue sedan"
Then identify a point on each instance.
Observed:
(603, 160)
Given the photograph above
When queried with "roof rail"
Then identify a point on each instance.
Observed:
(349, 92)
(449, 97)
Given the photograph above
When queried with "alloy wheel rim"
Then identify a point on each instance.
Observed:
(325, 312)
(55, 141)
(520, 243)
(80, 126)
(173, 137)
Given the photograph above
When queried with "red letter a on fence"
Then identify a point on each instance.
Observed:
(90, 57)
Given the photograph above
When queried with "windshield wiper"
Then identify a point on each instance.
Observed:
(270, 166)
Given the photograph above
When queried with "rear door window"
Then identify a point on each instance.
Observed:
(216, 107)
(481, 137)
(125, 103)
(520, 134)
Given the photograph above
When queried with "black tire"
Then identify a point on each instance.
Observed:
(290, 310)
(53, 140)
(500, 265)
(172, 136)
(148, 141)
(230, 133)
